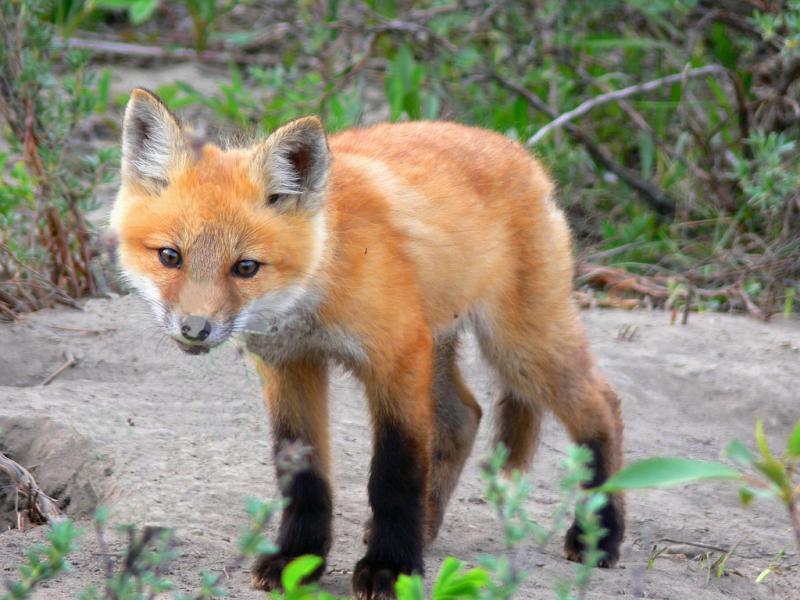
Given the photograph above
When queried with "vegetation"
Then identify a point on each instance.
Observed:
(47, 179)
(139, 572)
(669, 124)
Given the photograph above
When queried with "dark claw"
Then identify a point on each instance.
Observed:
(574, 548)
(268, 569)
(373, 580)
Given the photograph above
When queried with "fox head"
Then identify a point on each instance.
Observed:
(215, 239)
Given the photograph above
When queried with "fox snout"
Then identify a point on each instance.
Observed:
(195, 328)
(197, 333)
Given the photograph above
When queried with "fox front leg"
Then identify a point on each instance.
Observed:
(297, 398)
(402, 421)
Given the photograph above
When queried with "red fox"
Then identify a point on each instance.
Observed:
(374, 248)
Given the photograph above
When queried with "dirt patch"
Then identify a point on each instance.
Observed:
(186, 439)
(25, 360)
(60, 460)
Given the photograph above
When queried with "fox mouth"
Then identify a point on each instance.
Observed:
(193, 348)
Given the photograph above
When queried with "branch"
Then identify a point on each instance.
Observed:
(141, 51)
(649, 193)
(43, 504)
(588, 105)
(60, 294)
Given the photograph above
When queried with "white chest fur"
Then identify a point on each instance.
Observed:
(286, 338)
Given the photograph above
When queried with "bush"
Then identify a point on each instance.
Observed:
(46, 183)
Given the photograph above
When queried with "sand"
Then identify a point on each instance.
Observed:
(168, 439)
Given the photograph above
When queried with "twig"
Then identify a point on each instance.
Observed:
(649, 193)
(141, 51)
(43, 504)
(62, 296)
(588, 105)
(640, 121)
(620, 280)
(687, 307)
(83, 331)
(795, 517)
(70, 361)
(748, 302)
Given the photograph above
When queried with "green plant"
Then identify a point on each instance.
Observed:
(145, 558)
(771, 476)
(781, 28)
(451, 583)
(507, 496)
(204, 14)
(46, 186)
(405, 91)
(497, 578)
(138, 11)
(44, 561)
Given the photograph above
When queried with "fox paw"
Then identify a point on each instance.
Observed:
(267, 571)
(374, 580)
(574, 549)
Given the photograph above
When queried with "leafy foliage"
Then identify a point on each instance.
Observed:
(693, 181)
(46, 185)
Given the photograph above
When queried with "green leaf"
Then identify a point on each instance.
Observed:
(793, 448)
(299, 569)
(761, 440)
(141, 10)
(101, 516)
(775, 471)
(452, 585)
(450, 567)
(113, 4)
(739, 453)
(410, 587)
(763, 575)
(664, 472)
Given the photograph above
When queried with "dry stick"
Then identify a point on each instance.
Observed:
(617, 279)
(688, 305)
(26, 484)
(12, 316)
(642, 124)
(62, 296)
(649, 193)
(748, 302)
(70, 361)
(585, 107)
(140, 51)
(795, 517)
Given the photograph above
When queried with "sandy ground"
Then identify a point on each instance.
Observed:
(169, 439)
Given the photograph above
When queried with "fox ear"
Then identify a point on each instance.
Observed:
(153, 143)
(293, 163)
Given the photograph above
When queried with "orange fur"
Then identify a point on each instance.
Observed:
(413, 231)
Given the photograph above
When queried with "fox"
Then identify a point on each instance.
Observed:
(374, 248)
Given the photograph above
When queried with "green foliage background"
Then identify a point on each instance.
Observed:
(699, 186)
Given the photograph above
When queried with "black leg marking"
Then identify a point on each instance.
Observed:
(611, 517)
(305, 528)
(396, 494)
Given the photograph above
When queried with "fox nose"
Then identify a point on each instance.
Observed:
(195, 328)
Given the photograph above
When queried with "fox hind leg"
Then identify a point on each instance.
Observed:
(605, 443)
(517, 426)
(457, 416)
(543, 362)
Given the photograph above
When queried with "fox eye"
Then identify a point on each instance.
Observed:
(246, 268)
(170, 258)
